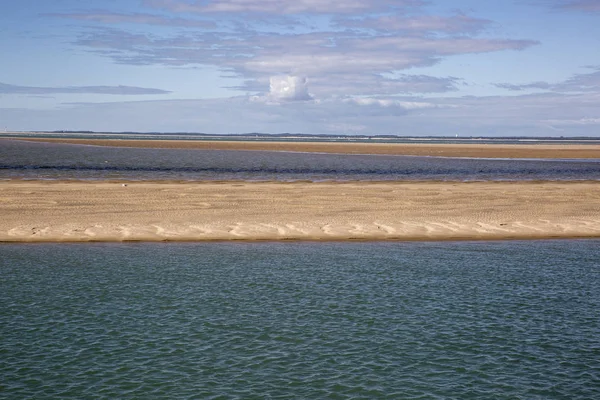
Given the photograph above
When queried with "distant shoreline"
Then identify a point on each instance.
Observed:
(468, 150)
(75, 211)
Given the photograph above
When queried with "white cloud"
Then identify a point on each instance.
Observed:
(285, 88)
(289, 88)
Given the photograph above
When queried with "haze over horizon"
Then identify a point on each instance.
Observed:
(400, 67)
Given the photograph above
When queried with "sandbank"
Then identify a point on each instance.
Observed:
(413, 149)
(57, 211)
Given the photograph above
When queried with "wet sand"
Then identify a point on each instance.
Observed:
(37, 211)
(415, 149)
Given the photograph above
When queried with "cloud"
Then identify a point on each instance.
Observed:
(284, 89)
(359, 48)
(457, 24)
(580, 121)
(531, 114)
(537, 115)
(135, 18)
(112, 90)
(587, 6)
(582, 83)
(331, 59)
(580, 5)
(345, 128)
(368, 84)
(289, 88)
(589, 82)
(516, 88)
(280, 6)
(346, 52)
(406, 105)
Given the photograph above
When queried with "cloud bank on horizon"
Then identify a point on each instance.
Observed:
(408, 67)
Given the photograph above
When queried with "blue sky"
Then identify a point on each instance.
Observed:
(407, 67)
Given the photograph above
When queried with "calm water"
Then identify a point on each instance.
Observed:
(59, 161)
(493, 320)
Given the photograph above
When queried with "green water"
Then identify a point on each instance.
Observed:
(493, 320)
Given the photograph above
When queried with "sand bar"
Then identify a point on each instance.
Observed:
(37, 211)
(414, 149)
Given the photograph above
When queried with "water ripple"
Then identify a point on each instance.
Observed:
(300, 320)
(27, 160)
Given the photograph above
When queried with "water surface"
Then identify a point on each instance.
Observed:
(493, 320)
(28, 160)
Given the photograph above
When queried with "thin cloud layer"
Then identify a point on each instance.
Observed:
(373, 85)
(326, 56)
(568, 122)
(112, 90)
(581, 5)
(407, 105)
(421, 24)
(541, 114)
(585, 6)
(578, 83)
(280, 6)
(135, 18)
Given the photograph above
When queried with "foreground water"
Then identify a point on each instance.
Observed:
(494, 320)
(27, 160)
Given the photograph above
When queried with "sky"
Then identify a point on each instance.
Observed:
(400, 67)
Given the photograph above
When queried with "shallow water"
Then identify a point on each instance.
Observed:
(462, 320)
(27, 160)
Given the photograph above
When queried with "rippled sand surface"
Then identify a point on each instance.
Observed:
(155, 211)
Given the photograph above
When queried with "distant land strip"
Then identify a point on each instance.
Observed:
(470, 150)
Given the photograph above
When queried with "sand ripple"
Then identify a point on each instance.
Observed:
(152, 211)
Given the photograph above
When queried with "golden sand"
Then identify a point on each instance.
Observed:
(33, 211)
